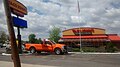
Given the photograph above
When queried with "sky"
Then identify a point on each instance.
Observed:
(44, 14)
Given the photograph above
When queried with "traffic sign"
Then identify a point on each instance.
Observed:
(17, 8)
(19, 22)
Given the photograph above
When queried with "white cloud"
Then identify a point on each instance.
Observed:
(113, 12)
(64, 14)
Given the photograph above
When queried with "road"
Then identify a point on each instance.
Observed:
(70, 60)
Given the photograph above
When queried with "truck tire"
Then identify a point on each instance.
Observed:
(32, 50)
(58, 51)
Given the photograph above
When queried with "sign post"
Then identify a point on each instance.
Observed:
(19, 41)
(19, 23)
(15, 55)
(19, 10)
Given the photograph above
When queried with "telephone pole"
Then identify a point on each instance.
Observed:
(15, 55)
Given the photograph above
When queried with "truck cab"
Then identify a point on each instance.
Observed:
(47, 46)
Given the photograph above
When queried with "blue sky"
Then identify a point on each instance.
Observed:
(44, 14)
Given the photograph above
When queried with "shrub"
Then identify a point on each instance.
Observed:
(76, 49)
(84, 49)
(110, 47)
(89, 49)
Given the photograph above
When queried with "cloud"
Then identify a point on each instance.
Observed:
(44, 14)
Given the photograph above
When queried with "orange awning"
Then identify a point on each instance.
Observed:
(85, 40)
(114, 38)
(83, 37)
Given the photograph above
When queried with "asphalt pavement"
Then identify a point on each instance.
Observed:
(2, 50)
(69, 60)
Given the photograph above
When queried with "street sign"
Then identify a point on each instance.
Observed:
(19, 22)
(17, 8)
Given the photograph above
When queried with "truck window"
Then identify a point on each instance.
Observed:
(47, 42)
(42, 42)
(53, 42)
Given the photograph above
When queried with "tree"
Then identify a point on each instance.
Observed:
(40, 40)
(32, 38)
(3, 37)
(0, 40)
(54, 34)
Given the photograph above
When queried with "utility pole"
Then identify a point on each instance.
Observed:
(15, 55)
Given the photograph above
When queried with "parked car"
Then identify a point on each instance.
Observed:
(8, 48)
(1, 45)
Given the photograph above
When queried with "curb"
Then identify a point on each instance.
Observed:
(94, 53)
(5, 54)
(84, 53)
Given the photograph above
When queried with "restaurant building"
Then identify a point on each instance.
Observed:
(88, 37)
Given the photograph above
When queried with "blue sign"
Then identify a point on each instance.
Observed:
(19, 22)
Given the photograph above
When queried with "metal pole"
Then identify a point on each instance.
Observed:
(80, 42)
(80, 38)
(19, 40)
(14, 48)
(79, 28)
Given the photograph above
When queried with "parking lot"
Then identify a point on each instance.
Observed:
(68, 60)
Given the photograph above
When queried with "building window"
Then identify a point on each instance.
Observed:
(86, 33)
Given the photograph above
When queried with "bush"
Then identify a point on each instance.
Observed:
(84, 49)
(89, 49)
(110, 47)
(76, 49)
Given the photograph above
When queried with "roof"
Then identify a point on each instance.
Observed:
(114, 37)
(84, 37)
(84, 28)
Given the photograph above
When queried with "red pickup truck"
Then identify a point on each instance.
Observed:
(47, 46)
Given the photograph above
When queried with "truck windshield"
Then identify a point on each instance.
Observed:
(53, 42)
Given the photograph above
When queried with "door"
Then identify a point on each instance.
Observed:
(48, 46)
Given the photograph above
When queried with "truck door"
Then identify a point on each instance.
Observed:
(48, 46)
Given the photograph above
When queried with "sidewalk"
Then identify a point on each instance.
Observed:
(10, 64)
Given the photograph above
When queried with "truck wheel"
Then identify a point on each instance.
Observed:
(32, 50)
(58, 51)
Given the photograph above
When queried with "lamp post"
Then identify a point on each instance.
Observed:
(79, 21)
